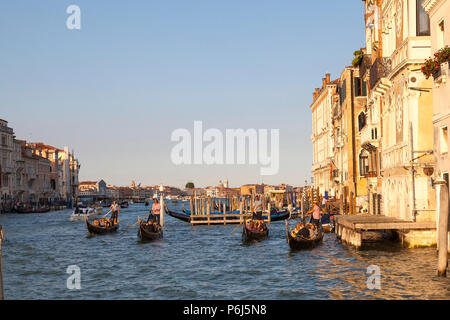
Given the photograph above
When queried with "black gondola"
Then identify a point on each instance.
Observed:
(99, 229)
(24, 210)
(300, 243)
(251, 235)
(124, 204)
(148, 233)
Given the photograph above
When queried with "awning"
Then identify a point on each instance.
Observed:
(369, 147)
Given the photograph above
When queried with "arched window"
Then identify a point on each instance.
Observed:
(363, 163)
(361, 121)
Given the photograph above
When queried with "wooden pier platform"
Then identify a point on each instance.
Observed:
(351, 228)
(225, 218)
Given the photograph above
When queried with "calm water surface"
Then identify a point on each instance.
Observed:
(200, 263)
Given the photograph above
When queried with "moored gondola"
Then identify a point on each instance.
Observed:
(148, 233)
(301, 243)
(253, 235)
(93, 229)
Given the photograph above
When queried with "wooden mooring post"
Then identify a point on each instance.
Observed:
(1, 274)
(442, 236)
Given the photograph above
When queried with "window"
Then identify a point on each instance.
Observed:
(360, 88)
(444, 140)
(4, 140)
(342, 93)
(361, 121)
(422, 20)
(363, 163)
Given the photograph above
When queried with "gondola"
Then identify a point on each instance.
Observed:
(251, 235)
(100, 230)
(124, 204)
(300, 243)
(149, 235)
(23, 210)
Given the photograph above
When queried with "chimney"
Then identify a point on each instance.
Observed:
(328, 77)
(324, 82)
(317, 91)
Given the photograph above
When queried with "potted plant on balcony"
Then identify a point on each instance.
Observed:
(359, 55)
(431, 67)
(443, 55)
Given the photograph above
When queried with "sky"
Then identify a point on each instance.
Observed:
(115, 90)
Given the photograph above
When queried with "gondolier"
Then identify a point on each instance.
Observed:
(156, 209)
(315, 214)
(115, 212)
(257, 211)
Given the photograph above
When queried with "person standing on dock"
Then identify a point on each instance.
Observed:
(115, 212)
(258, 208)
(156, 209)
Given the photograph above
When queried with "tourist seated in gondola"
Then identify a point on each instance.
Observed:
(301, 231)
(313, 231)
(151, 217)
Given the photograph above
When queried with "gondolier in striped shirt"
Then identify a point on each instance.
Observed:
(258, 208)
(115, 212)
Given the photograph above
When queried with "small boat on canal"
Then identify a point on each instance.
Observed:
(149, 232)
(25, 210)
(97, 228)
(80, 212)
(301, 243)
(124, 204)
(249, 234)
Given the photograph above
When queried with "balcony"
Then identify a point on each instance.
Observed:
(380, 69)
(412, 50)
(370, 174)
(441, 75)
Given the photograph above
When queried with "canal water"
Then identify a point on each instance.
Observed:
(201, 263)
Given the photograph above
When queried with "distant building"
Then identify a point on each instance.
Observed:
(7, 170)
(321, 137)
(249, 189)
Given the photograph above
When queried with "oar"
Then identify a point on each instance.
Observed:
(137, 222)
(240, 224)
(287, 230)
(106, 214)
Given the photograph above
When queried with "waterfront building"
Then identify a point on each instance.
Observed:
(439, 13)
(7, 168)
(321, 137)
(349, 158)
(250, 189)
(373, 69)
(64, 170)
(406, 117)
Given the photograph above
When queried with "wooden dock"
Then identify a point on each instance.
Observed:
(223, 218)
(350, 228)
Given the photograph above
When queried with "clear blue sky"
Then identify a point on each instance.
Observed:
(116, 89)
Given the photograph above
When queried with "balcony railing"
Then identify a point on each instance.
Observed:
(380, 69)
(370, 174)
